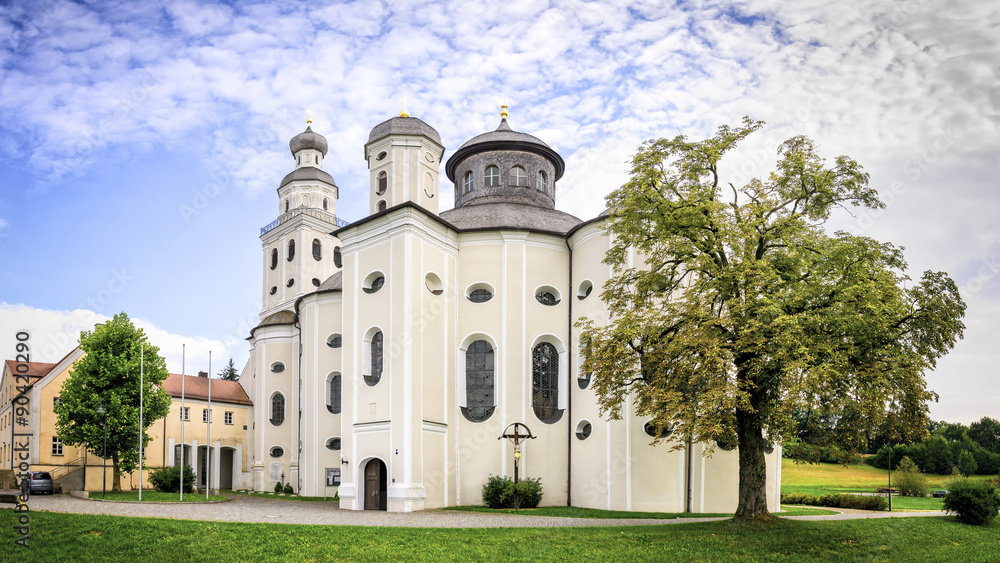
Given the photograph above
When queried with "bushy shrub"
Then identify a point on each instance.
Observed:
(501, 492)
(841, 500)
(288, 489)
(167, 479)
(278, 487)
(975, 502)
(909, 480)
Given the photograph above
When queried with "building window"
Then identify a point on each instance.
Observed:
(277, 409)
(726, 444)
(545, 382)
(290, 282)
(372, 372)
(480, 295)
(583, 429)
(204, 415)
(316, 282)
(317, 249)
(652, 431)
(543, 180)
(277, 367)
(479, 381)
(291, 250)
(492, 176)
(326, 207)
(286, 205)
(277, 451)
(229, 419)
(584, 290)
(274, 259)
(382, 206)
(335, 341)
(338, 260)
(546, 297)
(274, 289)
(333, 444)
(583, 380)
(467, 182)
(518, 177)
(55, 403)
(333, 394)
(383, 183)
(185, 415)
(373, 282)
(57, 446)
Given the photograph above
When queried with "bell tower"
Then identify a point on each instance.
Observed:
(299, 251)
(404, 161)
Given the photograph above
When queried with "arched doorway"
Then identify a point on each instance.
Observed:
(375, 485)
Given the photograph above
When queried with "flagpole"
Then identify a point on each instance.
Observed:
(183, 347)
(140, 418)
(208, 451)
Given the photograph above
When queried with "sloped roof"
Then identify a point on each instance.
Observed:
(333, 283)
(36, 370)
(477, 216)
(197, 388)
(403, 126)
(307, 173)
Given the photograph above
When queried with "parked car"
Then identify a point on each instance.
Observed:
(939, 494)
(40, 482)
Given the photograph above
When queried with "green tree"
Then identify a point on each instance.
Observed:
(229, 372)
(966, 463)
(909, 480)
(734, 310)
(986, 433)
(108, 376)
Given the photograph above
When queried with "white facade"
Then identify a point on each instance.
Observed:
(422, 432)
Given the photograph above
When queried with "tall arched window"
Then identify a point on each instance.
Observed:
(467, 182)
(317, 249)
(286, 205)
(277, 409)
(479, 381)
(326, 205)
(333, 394)
(545, 382)
(542, 180)
(338, 260)
(383, 183)
(291, 250)
(374, 372)
(381, 205)
(492, 175)
(518, 177)
(274, 258)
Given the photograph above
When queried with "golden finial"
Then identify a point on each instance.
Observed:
(503, 111)
(309, 117)
(404, 113)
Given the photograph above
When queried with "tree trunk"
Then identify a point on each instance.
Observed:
(116, 485)
(753, 468)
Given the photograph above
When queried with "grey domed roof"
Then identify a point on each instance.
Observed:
(308, 139)
(333, 283)
(403, 126)
(485, 215)
(504, 138)
(307, 173)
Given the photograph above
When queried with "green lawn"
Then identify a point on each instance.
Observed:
(69, 537)
(574, 512)
(154, 496)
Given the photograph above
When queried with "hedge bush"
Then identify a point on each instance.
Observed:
(501, 492)
(278, 487)
(288, 489)
(167, 479)
(975, 502)
(840, 500)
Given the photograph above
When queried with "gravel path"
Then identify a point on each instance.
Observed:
(242, 508)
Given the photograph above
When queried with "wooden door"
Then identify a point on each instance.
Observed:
(372, 479)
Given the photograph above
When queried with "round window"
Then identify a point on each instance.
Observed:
(277, 451)
(278, 367)
(583, 429)
(333, 444)
(651, 430)
(316, 282)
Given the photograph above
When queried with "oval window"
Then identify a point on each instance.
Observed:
(651, 430)
(290, 282)
(381, 156)
(316, 282)
(277, 451)
(333, 444)
(277, 367)
(547, 295)
(479, 292)
(726, 444)
(373, 282)
(433, 283)
(584, 290)
(274, 289)
(583, 429)
(335, 341)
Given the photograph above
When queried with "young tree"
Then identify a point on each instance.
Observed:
(909, 480)
(731, 310)
(229, 372)
(108, 376)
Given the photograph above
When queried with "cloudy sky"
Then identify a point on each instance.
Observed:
(141, 143)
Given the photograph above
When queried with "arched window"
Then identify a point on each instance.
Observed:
(467, 182)
(478, 381)
(545, 382)
(326, 205)
(381, 205)
(286, 205)
(291, 250)
(383, 183)
(274, 258)
(518, 177)
(338, 260)
(317, 249)
(374, 372)
(333, 394)
(492, 175)
(542, 180)
(277, 409)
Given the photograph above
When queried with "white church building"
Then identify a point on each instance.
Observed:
(393, 352)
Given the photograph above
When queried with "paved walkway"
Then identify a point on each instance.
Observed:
(243, 508)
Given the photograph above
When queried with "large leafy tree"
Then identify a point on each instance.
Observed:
(732, 310)
(986, 433)
(108, 375)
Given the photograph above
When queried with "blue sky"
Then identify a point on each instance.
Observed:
(141, 143)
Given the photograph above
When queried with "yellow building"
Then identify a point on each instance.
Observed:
(75, 469)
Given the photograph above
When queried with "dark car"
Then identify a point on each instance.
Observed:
(40, 482)
(939, 494)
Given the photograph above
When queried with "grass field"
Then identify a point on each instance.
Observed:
(67, 537)
(575, 512)
(823, 478)
(154, 496)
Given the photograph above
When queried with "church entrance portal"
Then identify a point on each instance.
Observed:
(375, 485)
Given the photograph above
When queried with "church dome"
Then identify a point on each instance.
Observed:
(503, 138)
(308, 139)
(403, 126)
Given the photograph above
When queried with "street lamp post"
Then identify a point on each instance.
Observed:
(104, 455)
